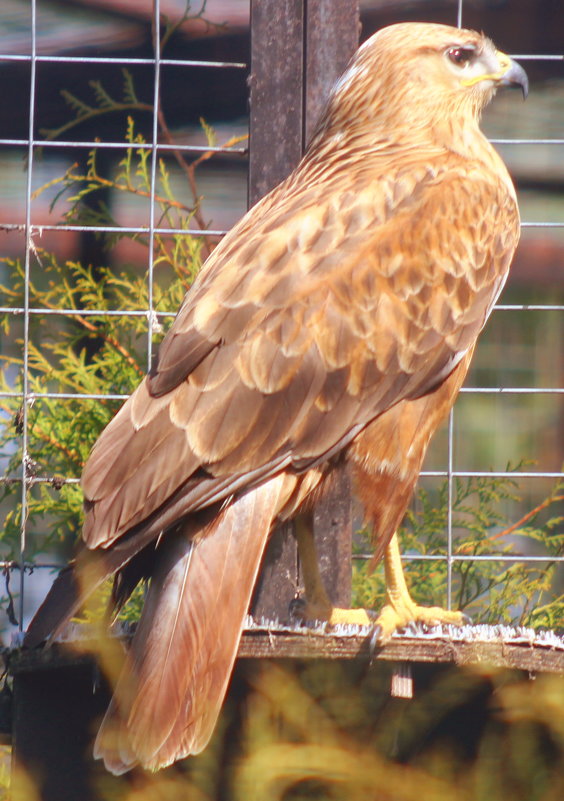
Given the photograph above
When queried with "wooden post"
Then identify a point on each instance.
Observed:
(276, 90)
(55, 713)
(331, 38)
(298, 50)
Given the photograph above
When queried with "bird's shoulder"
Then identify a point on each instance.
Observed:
(374, 232)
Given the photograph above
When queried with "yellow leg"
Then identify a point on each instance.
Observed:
(400, 609)
(317, 605)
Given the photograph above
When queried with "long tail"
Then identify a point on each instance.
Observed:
(169, 696)
(76, 582)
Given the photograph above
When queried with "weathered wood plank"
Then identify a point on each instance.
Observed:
(312, 644)
(286, 95)
(332, 526)
(278, 577)
(298, 50)
(275, 147)
(332, 32)
(520, 656)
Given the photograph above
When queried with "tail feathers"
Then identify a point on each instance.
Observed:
(78, 581)
(168, 699)
(60, 604)
(72, 587)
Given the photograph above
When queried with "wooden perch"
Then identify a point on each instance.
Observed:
(497, 653)
(496, 646)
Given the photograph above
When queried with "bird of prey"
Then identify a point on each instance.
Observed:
(332, 326)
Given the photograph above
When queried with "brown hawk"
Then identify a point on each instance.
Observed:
(333, 325)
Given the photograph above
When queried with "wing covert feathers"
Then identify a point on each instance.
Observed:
(325, 341)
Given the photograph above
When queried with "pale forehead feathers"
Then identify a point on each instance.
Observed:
(410, 37)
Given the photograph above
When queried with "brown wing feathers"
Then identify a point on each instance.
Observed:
(336, 319)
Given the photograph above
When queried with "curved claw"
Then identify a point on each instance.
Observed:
(297, 609)
(375, 641)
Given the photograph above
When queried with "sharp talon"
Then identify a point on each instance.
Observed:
(374, 641)
(297, 609)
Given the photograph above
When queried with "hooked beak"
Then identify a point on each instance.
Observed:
(512, 74)
(509, 74)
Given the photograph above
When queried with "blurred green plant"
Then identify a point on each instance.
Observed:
(322, 730)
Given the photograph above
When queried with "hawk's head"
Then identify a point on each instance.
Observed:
(417, 75)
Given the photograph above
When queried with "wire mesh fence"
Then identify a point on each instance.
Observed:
(507, 425)
(29, 222)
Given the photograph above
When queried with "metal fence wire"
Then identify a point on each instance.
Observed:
(507, 423)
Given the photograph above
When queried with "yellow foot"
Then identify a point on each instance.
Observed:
(392, 617)
(400, 609)
(301, 609)
(397, 615)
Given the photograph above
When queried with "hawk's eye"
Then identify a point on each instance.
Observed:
(461, 55)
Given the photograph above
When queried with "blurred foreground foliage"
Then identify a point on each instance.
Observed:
(330, 731)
